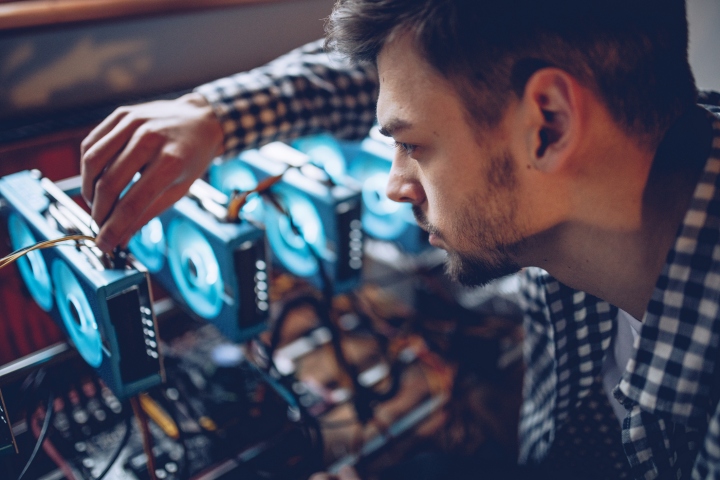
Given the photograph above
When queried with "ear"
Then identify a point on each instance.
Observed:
(552, 101)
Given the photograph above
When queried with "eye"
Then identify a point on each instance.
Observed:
(406, 148)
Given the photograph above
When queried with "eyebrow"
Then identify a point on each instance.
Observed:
(394, 126)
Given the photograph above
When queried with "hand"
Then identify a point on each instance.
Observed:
(170, 142)
(345, 473)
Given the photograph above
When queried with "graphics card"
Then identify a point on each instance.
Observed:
(324, 216)
(106, 312)
(214, 267)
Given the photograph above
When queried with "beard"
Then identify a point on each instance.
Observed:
(477, 272)
(491, 241)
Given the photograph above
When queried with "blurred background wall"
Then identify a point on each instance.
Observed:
(51, 69)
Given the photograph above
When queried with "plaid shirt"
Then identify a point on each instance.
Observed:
(668, 384)
(672, 429)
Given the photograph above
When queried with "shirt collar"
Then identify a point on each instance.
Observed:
(672, 371)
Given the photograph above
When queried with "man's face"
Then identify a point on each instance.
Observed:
(461, 182)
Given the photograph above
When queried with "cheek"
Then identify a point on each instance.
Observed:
(445, 196)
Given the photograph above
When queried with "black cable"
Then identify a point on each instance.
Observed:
(43, 433)
(288, 307)
(311, 423)
(123, 444)
(364, 397)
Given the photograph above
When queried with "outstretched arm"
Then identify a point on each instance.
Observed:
(172, 142)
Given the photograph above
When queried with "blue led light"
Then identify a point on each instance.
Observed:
(32, 266)
(195, 269)
(324, 151)
(289, 248)
(77, 314)
(149, 246)
(235, 175)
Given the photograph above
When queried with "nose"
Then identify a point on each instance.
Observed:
(403, 185)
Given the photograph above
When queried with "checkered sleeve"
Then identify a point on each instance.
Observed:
(537, 425)
(303, 92)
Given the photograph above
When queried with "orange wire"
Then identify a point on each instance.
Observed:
(238, 199)
(146, 435)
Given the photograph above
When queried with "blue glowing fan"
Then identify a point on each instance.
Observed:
(327, 216)
(325, 152)
(215, 269)
(33, 268)
(383, 218)
(77, 314)
(149, 245)
(105, 312)
(195, 268)
(293, 249)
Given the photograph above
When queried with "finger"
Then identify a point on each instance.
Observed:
(158, 183)
(97, 157)
(141, 150)
(151, 190)
(162, 203)
(102, 129)
(348, 473)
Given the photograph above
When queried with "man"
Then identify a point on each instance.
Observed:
(556, 134)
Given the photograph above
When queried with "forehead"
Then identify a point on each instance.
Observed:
(409, 87)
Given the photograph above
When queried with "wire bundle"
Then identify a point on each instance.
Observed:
(16, 255)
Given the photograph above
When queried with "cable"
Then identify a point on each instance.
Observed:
(118, 451)
(55, 456)
(288, 307)
(43, 432)
(146, 436)
(292, 398)
(7, 260)
(364, 397)
(238, 199)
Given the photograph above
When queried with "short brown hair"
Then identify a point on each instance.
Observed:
(632, 53)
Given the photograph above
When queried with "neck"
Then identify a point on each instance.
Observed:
(616, 246)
